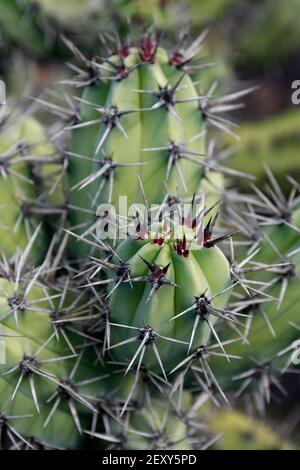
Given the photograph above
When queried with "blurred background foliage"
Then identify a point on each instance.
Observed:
(250, 43)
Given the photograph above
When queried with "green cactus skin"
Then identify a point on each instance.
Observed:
(102, 347)
(278, 243)
(41, 361)
(39, 366)
(260, 337)
(141, 83)
(26, 422)
(189, 273)
(19, 137)
(24, 341)
(42, 376)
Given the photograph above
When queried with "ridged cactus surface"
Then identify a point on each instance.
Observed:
(140, 122)
(124, 342)
(172, 291)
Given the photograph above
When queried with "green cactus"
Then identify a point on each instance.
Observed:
(273, 142)
(142, 107)
(121, 343)
(155, 427)
(32, 356)
(138, 132)
(270, 329)
(47, 382)
(23, 143)
(167, 277)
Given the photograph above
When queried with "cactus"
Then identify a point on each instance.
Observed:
(271, 331)
(32, 355)
(154, 426)
(174, 294)
(24, 152)
(123, 342)
(144, 100)
(139, 122)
